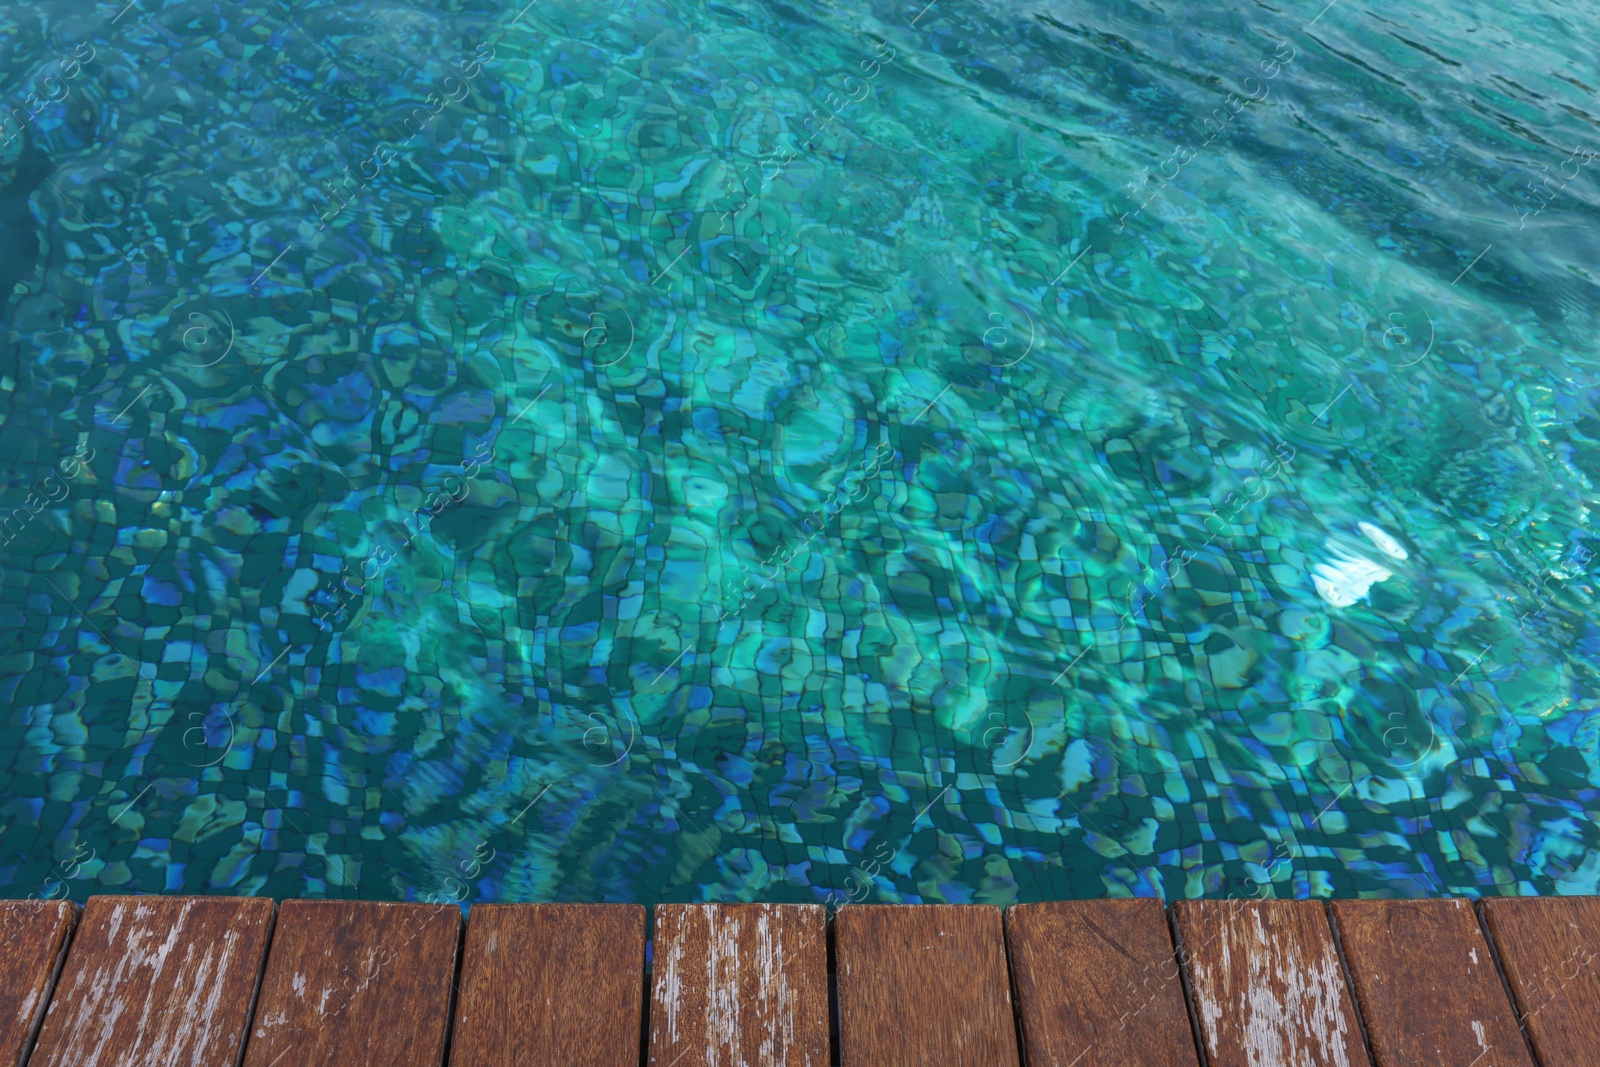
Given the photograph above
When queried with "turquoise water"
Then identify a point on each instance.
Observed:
(799, 451)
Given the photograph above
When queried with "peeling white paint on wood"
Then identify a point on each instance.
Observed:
(722, 992)
(29, 1007)
(669, 982)
(738, 1005)
(1482, 1035)
(170, 975)
(1291, 1012)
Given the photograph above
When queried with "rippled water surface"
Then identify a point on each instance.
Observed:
(982, 451)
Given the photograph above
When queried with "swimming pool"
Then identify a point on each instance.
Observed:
(798, 451)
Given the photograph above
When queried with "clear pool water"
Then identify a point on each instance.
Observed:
(954, 451)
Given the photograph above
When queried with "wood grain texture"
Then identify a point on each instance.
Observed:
(356, 982)
(923, 985)
(740, 984)
(1267, 984)
(33, 938)
(551, 984)
(157, 980)
(1427, 986)
(1550, 949)
(1098, 985)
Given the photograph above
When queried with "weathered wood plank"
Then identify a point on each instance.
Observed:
(1427, 986)
(1550, 949)
(157, 980)
(740, 983)
(351, 983)
(33, 941)
(1098, 985)
(923, 984)
(551, 983)
(1267, 984)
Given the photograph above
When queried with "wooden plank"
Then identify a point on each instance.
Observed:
(157, 980)
(356, 982)
(923, 984)
(1550, 950)
(1098, 985)
(551, 983)
(33, 943)
(1427, 986)
(1267, 984)
(740, 983)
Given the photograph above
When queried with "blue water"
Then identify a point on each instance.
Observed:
(679, 451)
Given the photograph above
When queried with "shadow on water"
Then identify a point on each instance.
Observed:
(19, 230)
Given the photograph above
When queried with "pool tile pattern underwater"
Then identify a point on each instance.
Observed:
(669, 451)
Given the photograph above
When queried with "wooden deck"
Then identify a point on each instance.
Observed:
(217, 982)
